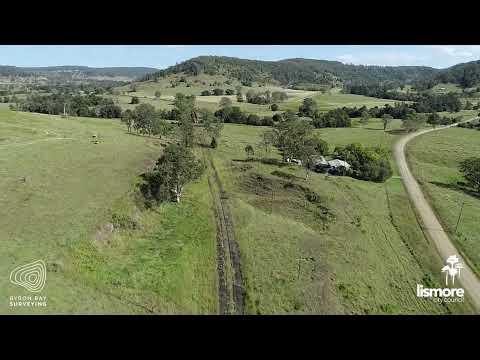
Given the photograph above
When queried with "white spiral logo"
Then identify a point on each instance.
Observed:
(30, 276)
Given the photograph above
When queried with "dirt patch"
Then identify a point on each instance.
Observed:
(103, 236)
(287, 198)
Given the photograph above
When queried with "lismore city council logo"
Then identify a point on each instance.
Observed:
(448, 294)
(32, 277)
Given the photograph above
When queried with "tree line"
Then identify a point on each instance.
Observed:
(75, 105)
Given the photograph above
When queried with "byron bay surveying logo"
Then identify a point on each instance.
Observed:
(31, 277)
(447, 294)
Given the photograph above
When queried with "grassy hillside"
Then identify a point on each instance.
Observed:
(73, 191)
(434, 159)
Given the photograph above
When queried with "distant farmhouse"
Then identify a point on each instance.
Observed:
(331, 166)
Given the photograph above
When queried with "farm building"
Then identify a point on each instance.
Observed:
(337, 163)
(321, 165)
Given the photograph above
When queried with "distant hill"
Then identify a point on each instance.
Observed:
(82, 71)
(465, 74)
(294, 71)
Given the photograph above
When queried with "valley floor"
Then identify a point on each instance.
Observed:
(326, 245)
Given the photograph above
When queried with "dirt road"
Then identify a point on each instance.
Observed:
(431, 224)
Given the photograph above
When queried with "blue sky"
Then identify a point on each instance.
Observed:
(161, 56)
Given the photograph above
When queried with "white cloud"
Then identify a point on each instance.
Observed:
(467, 52)
(387, 58)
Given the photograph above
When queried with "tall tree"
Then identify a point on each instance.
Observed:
(471, 171)
(185, 106)
(386, 118)
(173, 170)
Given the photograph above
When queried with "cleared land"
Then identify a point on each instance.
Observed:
(434, 160)
(356, 249)
(76, 211)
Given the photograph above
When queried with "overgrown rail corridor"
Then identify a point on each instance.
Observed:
(230, 289)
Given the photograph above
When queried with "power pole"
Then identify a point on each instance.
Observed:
(64, 110)
(459, 216)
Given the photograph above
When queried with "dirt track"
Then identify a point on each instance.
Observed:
(431, 224)
(226, 242)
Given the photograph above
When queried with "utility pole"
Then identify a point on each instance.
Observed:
(459, 216)
(64, 110)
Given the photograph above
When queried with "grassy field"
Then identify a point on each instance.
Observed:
(73, 191)
(146, 92)
(434, 158)
(357, 250)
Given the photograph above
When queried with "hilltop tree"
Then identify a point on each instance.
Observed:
(471, 171)
(386, 118)
(158, 94)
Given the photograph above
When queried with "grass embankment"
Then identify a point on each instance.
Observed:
(73, 190)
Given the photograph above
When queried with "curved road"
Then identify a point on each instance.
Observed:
(445, 247)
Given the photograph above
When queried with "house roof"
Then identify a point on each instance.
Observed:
(321, 161)
(338, 163)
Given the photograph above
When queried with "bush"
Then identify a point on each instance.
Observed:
(277, 118)
(274, 107)
(218, 92)
(206, 93)
(135, 100)
(368, 163)
(229, 92)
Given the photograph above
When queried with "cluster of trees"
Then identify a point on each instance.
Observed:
(7, 99)
(217, 92)
(267, 97)
(145, 120)
(295, 138)
(470, 125)
(76, 105)
(332, 118)
(234, 115)
(380, 91)
(427, 103)
(368, 163)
